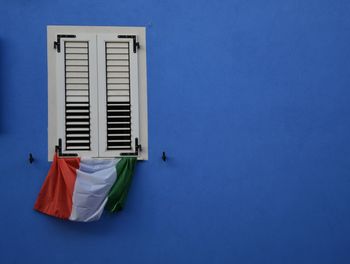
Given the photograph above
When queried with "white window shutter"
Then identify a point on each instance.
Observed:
(77, 95)
(118, 95)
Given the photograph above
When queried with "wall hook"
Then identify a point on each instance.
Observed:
(31, 159)
(164, 156)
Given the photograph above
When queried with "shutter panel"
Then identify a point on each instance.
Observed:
(118, 95)
(77, 94)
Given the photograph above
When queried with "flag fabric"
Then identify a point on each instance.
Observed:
(79, 189)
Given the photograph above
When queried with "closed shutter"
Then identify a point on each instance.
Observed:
(118, 95)
(77, 92)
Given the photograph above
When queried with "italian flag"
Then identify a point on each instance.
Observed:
(79, 189)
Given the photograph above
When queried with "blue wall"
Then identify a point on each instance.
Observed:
(250, 100)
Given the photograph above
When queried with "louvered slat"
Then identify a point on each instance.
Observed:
(77, 101)
(118, 95)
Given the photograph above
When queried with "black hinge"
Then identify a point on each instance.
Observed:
(58, 150)
(57, 43)
(133, 37)
(138, 148)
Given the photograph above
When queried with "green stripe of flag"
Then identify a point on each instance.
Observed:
(117, 194)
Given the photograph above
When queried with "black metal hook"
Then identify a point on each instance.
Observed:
(138, 148)
(58, 150)
(31, 159)
(164, 156)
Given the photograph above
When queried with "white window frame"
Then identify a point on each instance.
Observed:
(56, 116)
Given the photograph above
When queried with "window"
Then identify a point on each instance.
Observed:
(97, 97)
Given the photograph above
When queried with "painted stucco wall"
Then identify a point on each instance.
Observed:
(250, 101)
